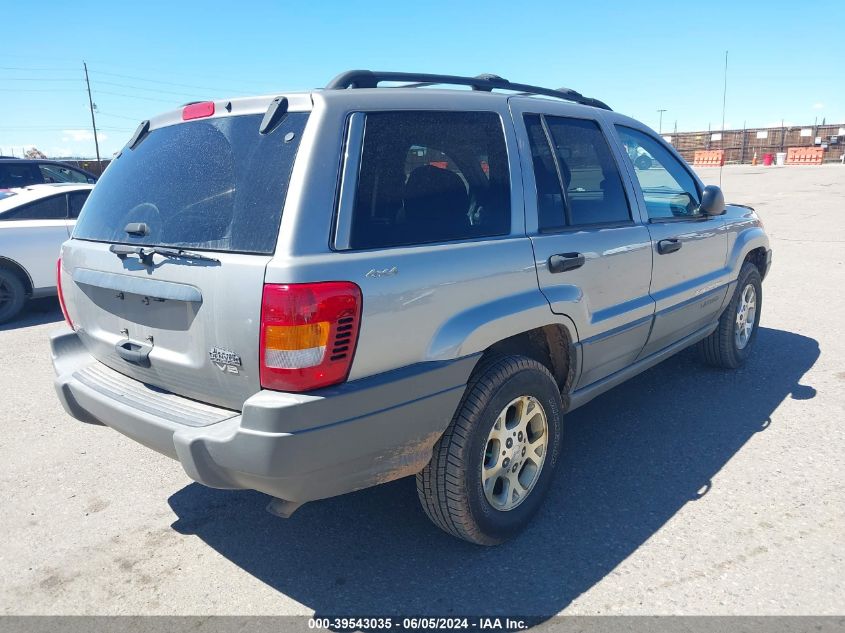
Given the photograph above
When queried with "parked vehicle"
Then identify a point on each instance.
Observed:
(310, 294)
(22, 172)
(34, 221)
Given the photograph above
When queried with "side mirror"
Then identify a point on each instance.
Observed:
(712, 201)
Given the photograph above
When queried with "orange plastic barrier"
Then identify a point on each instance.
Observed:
(804, 156)
(709, 158)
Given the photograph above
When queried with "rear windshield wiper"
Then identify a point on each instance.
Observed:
(145, 254)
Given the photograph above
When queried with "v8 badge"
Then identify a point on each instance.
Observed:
(225, 360)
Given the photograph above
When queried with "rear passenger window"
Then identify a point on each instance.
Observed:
(550, 204)
(12, 175)
(431, 177)
(53, 208)
(594, 190)
(75, 201)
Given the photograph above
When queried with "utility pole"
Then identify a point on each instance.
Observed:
(93, 122)
(660, 125)
(725, 91)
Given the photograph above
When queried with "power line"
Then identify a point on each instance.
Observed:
(39, 69)
(95, 73)
(159, 90)
(158, 81)
(61, 128)
(119, 94)
(38, 79)
(119, 116)
(42, 89)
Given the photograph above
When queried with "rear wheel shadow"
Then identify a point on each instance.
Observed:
(35, 312)
(632, 458)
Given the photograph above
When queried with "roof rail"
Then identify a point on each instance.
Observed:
(486, 83)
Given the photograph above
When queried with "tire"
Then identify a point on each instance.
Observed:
(12, 295)
(643, 163)
(724, 348)
(450, 487)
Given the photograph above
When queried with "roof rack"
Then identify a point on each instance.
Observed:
(486, 83)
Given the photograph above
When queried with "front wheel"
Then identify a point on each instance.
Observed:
(492, 467)
(731, 342)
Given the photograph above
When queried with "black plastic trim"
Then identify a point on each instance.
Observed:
(485, 82)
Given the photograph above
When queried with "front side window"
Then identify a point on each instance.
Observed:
(431, 177)
(668, 188)
(58, 173)
(52, 208)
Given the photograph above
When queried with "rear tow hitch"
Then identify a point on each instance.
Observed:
(282, 508)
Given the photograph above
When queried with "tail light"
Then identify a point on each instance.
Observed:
(61, 294)
(308, 334)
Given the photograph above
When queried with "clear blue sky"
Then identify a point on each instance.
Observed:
(787, 60)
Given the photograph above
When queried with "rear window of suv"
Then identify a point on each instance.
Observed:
(431, 177)
(212, 184)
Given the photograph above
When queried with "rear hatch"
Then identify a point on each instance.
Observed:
(163, 277)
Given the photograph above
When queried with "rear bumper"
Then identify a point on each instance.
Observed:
(298, 447)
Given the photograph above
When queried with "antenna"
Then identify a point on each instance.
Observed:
(724, 100)
(660, 125)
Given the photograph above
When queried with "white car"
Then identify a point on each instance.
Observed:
(34, 221)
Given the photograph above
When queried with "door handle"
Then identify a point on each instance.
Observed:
(664, 247)
(563, 262)
(133, 352)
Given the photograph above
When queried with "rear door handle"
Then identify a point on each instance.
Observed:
(664, 247)
(563, 262)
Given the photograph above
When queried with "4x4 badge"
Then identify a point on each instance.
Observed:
(225, 360)
(384, 272)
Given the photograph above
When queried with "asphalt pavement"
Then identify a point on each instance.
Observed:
(686, 490)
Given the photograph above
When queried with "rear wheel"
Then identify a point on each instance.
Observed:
(12, 295)
(730, 344)
(493, 465)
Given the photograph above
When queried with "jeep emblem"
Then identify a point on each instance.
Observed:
(225, 360)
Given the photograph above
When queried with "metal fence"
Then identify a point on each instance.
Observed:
(741, 145)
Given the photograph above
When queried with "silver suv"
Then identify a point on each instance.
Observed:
(309, 294)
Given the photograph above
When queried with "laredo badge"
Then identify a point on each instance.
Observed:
(225, 360)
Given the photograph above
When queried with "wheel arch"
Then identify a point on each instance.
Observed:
(517, 324)
(749, 243)
(20, 271)
(757, 256)
(550, 345)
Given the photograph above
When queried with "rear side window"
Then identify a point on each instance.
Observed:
(20, 175)
(52, 208)
(551, 210)
(210, 184)
(591, 179)
(431, 177)
(75, 201)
